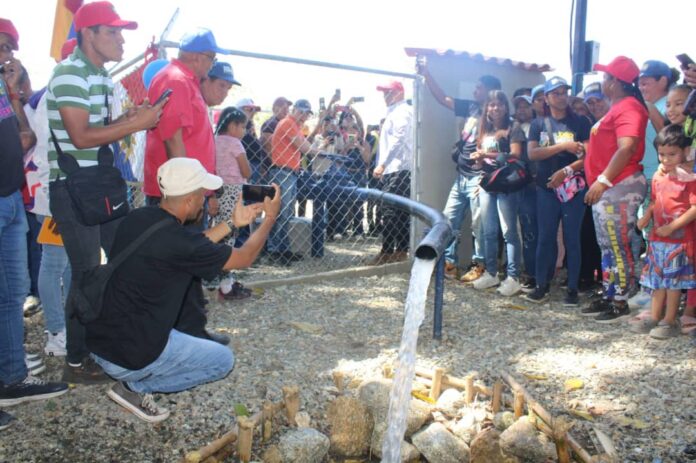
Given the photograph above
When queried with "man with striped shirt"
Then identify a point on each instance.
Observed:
(78, 99)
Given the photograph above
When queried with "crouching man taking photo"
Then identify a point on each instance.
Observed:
(135, 338)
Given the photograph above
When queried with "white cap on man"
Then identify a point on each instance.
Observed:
(180, 176)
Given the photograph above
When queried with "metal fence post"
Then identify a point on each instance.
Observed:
(439, 297)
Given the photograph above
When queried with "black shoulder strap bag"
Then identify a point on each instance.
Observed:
(99, 193)
(88, 295)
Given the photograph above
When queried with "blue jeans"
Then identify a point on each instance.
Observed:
(54, 270)
(14, 287)
(33, 253)
(278, 240)
(551, 211)
(185, 362)
(500, 211)
(461, 199)
(528, 224)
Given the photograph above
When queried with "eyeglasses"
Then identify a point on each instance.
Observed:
(211, 57)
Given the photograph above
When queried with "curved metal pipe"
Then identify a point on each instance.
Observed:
(432, 246)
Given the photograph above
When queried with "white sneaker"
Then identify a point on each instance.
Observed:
(55, 344)
(486, 281)
(509, 287)
(35, 367)
(641, 300)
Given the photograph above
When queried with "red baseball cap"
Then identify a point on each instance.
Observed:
(6, 27)
(100, 14)
(393, 85)
(67, 48)
(621, 67)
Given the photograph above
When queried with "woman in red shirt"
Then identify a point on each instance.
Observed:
(614, 171)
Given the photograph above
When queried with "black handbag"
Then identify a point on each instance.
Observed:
(512, 176)
(87, 296)
(99, 193)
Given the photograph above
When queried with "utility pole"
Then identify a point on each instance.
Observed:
(579, 62)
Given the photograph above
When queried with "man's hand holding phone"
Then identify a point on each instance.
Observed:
(272, 206)
(243, 215)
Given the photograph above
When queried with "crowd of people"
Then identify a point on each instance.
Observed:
(604, 187)
(61, 218)
(606, 193)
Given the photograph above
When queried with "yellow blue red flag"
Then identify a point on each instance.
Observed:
(63, 25)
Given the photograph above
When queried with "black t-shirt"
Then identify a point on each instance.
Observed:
(491, 144)
(11, 152)
(254, 151)
(471, 111)
(270, 125)
(570, 128)
(144, 297)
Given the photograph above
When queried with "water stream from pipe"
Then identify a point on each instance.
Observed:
(400, 395)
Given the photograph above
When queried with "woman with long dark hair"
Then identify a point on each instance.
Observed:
(497, 140)
(617, 184)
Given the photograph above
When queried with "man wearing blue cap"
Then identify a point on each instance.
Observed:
(217, 85)
(184, 130)
(595, 100)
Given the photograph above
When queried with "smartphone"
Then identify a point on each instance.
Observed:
(322, 104)
(358, 99)
(338, 93)
(351, 138)
(164, 95)
(685, 60)
(257, 193)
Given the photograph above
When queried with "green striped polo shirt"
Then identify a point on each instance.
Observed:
(77, 83)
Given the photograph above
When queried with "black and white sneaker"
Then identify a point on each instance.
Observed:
(596, 307)
(617, 312)
(6, 420)
(538, 295)
(31, 388)
(571, 299)
(528, 285)
(141, 405)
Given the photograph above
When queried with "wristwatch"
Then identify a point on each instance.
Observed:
(230, 225)
(604, 181)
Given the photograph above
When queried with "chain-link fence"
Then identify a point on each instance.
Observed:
(318, 154)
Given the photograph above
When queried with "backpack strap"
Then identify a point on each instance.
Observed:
(132, 247)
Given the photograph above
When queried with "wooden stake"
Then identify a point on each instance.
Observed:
(436, 388)
(546, 417)
(497, 396)
(519, 404)
(338, 380)
(246, 435)
(469, 389)
(388, 370)
(291, 396)
(204, 452)
(267, 420)
(560, 433)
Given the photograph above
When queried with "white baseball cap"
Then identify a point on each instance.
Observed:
(180, 176)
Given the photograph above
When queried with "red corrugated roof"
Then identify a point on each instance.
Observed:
(479, 57)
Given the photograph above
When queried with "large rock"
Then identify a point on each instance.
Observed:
(525, 442)
(450, 401)
(438, 445)
(375, 394)
(305, 445)
(351, 427)
(408, 452)
(485, 448)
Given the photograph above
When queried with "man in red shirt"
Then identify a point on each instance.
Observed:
(185, 131)
(288, 146)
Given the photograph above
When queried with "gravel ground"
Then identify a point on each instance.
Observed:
(642, 388)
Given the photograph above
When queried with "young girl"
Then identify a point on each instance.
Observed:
(498, 140)
(669, 265)
(233, 167)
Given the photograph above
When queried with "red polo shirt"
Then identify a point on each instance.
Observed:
(627, 118)
(284, 153)
(185, 110)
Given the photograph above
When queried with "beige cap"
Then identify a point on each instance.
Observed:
(180, 176)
